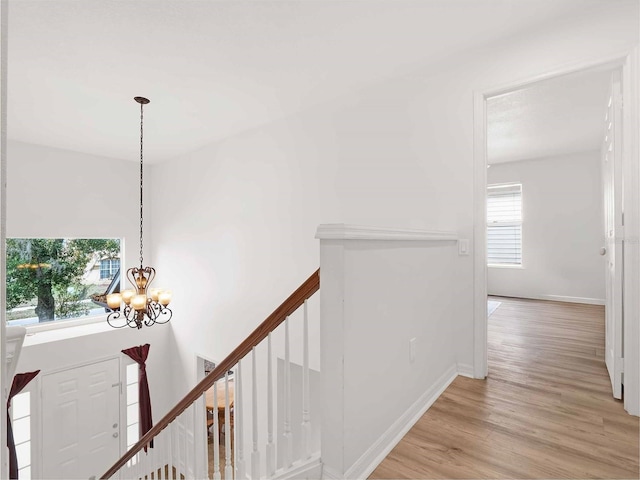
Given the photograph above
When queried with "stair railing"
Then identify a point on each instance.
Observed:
(173, 448)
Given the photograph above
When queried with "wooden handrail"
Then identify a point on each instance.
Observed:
(290, 305)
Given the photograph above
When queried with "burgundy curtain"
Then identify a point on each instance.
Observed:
(139, 354)
(20, 381)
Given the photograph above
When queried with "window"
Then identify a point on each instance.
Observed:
(504, 224)
(133, 422)
(51, 279)
(21, 424)
(109, 267)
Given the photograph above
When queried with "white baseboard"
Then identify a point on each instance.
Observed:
(465, 370)
(367, 463)
(561, 298)
(557, 298)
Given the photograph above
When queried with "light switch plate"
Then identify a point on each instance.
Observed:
(412, 350)
(463, 246)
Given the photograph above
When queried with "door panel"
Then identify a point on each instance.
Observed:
(613, 229)
(80, 420)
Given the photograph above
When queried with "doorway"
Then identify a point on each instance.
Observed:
(81, 420)
(482, 180)
(554, 199)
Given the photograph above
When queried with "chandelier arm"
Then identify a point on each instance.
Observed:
(152, 312)
(115, 315)
(129, 320)
(151, 274)
(161, 313)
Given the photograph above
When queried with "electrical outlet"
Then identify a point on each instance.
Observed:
(412, 350)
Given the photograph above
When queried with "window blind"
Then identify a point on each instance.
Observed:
(504, 224)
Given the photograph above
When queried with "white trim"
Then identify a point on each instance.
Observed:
(480, 363)
(70, 331)
(555, 298)
(118, 356)
(308, 468)
(611, 61)
(465, 370)
(628, 61)
(4, 381)
(367, 463)
(12, 348)
(341, 231)
(563, 298)
(65, 323)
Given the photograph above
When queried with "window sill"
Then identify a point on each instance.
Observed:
(62, 330)
(492, 265)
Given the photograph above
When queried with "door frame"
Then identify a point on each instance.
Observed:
(629, 62)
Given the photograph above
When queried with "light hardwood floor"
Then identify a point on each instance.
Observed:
(545, 411)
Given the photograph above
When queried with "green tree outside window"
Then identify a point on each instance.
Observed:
(50, 271)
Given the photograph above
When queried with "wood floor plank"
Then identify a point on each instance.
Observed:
(545, 411)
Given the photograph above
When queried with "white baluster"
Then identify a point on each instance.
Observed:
(238, 423)
(145, 463)
(255, 454)
(188, 460)
(228, 471)
(161, 453)
(130, 470)
(287, 444)
(170, 451)
(216, 436)
(136, 467)
(152, 458)
(185, 446)
(178, 455)
(306, 417)
(271, 448)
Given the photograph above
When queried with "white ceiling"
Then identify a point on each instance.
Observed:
(555, 117)
(215, 68)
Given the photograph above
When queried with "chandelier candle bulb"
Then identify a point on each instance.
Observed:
(127, 295)
(114, 300)
(154, 294)
(164, 297)
(139, 302)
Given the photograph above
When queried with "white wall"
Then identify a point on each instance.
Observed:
(377, 296)
(239, 215)
(562, 229)
(58, 193)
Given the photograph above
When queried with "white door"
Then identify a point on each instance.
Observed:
(80, 421)
(613, 250)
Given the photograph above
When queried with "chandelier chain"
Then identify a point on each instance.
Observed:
(142, 305)
(141, 204)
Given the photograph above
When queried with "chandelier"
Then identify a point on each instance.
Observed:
(142, 305)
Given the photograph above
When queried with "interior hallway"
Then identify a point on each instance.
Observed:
(545, 411)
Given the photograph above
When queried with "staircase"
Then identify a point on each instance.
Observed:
(330, 402)
(176, 447)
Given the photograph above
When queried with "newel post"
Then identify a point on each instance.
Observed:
(332, 356)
